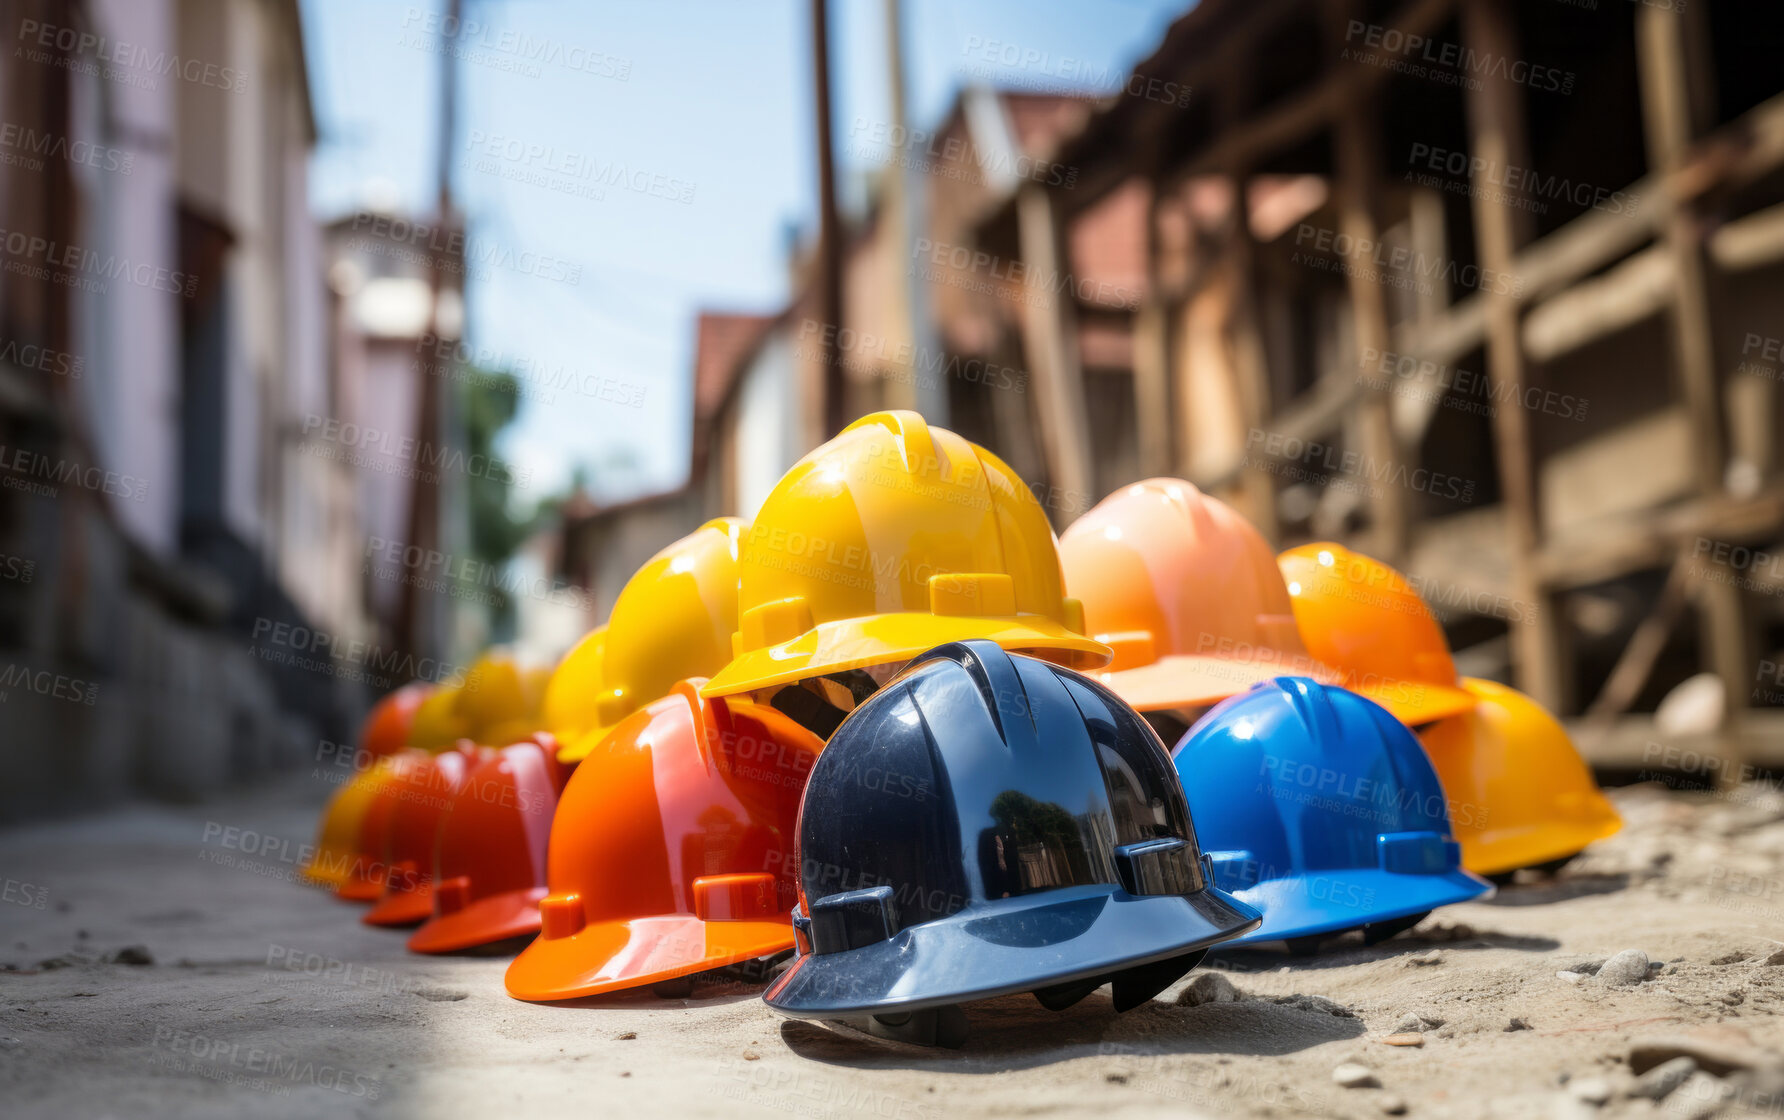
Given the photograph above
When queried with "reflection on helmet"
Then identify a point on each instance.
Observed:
(671, 852)
(1319, 808)
(890, 539)
(989, 824)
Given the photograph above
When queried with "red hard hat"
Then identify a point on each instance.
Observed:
(386, 727)
(673, 850)
(420, 800)
(489, 865)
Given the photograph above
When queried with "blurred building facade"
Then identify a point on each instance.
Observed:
(1476, 286)
(183, 602)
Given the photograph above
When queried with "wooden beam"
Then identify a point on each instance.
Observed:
(1664, 69)
(1049, 335)
(1636, 663)
(1299, 116)
(1357, 150)
(1496, 132)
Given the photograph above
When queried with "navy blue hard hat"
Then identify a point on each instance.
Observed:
(988, 824)
(1319, 808)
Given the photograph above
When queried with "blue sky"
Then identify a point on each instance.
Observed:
(702, 108)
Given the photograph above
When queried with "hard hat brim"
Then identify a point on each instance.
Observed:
(484, 922)
(612, 956)
(1332, 901)
(1416, 702)
(316, 874)
(1196, 680)
(355, 889)
(577, 749)
(402, 908)
(887, 639)
(1497, 851)
(1007, 946)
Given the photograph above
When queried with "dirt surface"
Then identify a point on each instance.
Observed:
(266, 998)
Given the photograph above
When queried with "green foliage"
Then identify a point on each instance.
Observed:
(488, 402)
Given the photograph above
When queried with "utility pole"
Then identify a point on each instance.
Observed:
(413, 621)
(926, 377)
(829, 263)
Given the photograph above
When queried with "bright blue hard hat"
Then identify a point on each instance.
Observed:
(1320, 809)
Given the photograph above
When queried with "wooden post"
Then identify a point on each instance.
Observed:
(1257, 483)
(1667, 119)
(1496, 132)
(1050, 337)
(1357, 152)
(1152, 352)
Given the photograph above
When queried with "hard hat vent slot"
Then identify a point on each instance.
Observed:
(972, 594)
(853, 919)
(735, 898)
(1417, 853)
(1165, 866)
(1233, 870)
(452, 895)
(560, 915)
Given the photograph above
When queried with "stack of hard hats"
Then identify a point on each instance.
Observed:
(857, 731)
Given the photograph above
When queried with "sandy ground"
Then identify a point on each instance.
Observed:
(265, 998)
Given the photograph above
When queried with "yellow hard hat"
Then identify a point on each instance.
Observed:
(672, 620)
(887, 541)
(572, 695)
(499, 702)
(437, 723)
(337, 837)
(1520, 794)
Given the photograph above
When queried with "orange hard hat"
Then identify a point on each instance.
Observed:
(489, 863)
(1520, 794)
(1363, 618)
(363, 880)
(418, 798)
(386, 727)
(1185, 592)
(673, 849)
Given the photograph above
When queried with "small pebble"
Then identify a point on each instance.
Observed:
(1409, 1022)
(626, 1036)
(1405, 1038)
(1393, 1106)
(1433, 957)
(1516, 1025)
(1592, 1090)
(1354, 1075)
(132, 954)
(1628, 968)
(751, 1056)
(1209, 987)
(1658, 1082)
